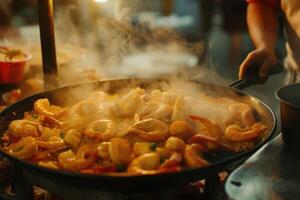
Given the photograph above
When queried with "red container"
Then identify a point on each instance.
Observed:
(12, 72)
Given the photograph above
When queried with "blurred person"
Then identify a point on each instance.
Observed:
(234, 23)
(233, 14)
(262, 19)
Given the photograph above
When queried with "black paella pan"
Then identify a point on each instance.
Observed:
(48, 178)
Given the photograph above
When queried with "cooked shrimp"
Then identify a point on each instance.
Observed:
(99, 96)
(129, 98)
(153, 110)
(181, 129)
(119, 110)
(49, 164)
(176, 147)
(23, 128)
(173, 161)
(101, 130)
(128, 104)
(123, 125)
(84, 158)
(43, 107)
(206, 127)
(206, 142)
(192, 156)
(46, 154)
(169, 98)
(163, 112)
(147, 109)
(75, 122)
(243, 112)
(47, 133)
(53, 143)
(24, 148)
(155, 96)
(72, 138)
(103, 150)
(134, 131)
(163, 152)
(145, 164)
(175, 144)
(52, 121)
(85, 108)
(199, 138)
(237, 134)
(179, 111)
(140, 148)
(150, 129)
(120, 151)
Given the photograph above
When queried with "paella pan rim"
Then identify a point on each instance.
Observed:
(214, 167)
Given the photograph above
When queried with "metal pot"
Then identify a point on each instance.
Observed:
(289, 97)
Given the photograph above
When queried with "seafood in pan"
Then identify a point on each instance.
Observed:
(135, 132)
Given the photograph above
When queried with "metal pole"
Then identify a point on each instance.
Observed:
(45, 11)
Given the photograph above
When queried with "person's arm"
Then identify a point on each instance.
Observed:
(262, 24)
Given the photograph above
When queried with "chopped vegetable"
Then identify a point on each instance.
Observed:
(153, 146)
(18, 149)
(121, 168)
(62, 135)
(34, 116)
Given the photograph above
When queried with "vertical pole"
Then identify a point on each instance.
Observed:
(45, 11)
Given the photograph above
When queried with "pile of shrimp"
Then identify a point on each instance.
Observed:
(138, 132)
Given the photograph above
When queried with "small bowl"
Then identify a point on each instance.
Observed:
(12, 71)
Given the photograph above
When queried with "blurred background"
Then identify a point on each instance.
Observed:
(111, 38)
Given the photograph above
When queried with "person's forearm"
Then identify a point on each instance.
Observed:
(262, 24)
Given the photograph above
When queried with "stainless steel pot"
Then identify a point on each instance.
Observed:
(289, 97)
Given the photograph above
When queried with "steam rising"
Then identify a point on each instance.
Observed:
(203, 100)
(103, 42)
(115, 47)
(111, 46)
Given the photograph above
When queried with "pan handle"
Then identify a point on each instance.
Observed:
(241, 84)
(246, 82)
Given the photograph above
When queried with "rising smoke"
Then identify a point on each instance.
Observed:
(115, 46)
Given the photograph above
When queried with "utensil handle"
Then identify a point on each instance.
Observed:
(240, 84)
(246, 82)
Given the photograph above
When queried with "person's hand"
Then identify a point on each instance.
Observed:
(258, 63)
